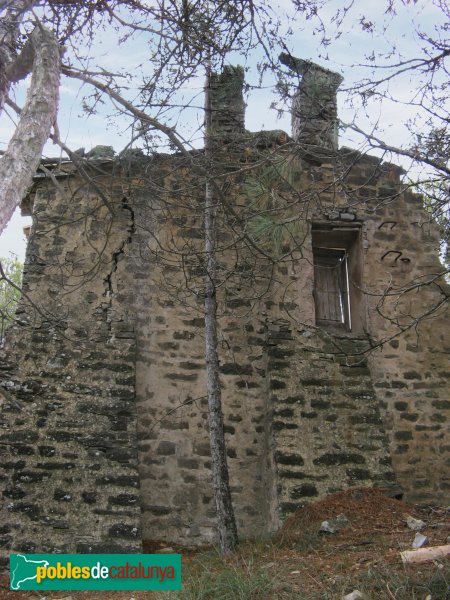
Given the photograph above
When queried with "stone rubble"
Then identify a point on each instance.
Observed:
(419, 540)
(414, 524)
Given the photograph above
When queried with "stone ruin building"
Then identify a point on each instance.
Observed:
(334, 357)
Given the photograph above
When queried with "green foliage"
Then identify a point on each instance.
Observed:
(10, 283)
(262, 188)
(436, 202)
(269, 222)
(229, 583)
(435, 145)
(273, 235)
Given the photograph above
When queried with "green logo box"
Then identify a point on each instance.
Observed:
(95, 571)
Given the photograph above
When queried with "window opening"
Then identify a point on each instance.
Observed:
(337, 278)
(331, 284)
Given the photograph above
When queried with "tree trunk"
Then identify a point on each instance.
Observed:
(221, 486)
(9, 33)
(425, 554)
(22, 157)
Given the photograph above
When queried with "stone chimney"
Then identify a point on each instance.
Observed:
(227, 102)
(314, 108)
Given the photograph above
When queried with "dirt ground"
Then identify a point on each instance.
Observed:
(304, 563)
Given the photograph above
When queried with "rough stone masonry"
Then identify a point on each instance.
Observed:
(334, 342)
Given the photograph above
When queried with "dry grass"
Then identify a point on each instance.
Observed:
(301, 563)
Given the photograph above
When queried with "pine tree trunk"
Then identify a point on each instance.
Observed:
(221, 486)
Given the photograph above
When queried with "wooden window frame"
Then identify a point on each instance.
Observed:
(328, 243)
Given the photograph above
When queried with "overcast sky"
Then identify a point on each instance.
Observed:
(355, 43)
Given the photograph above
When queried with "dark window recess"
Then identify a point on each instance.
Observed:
(338, 297)
(331, 287)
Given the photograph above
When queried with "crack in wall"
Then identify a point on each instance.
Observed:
(108, 280)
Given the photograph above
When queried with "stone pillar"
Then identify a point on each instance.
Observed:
(314, 107)
(228, 107)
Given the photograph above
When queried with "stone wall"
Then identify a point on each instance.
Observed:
(327, 430)
(227, 104)
(394, 366)
(69, 472)
(315, 122)
(410, 372)
(174, 454)
(104, 425)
